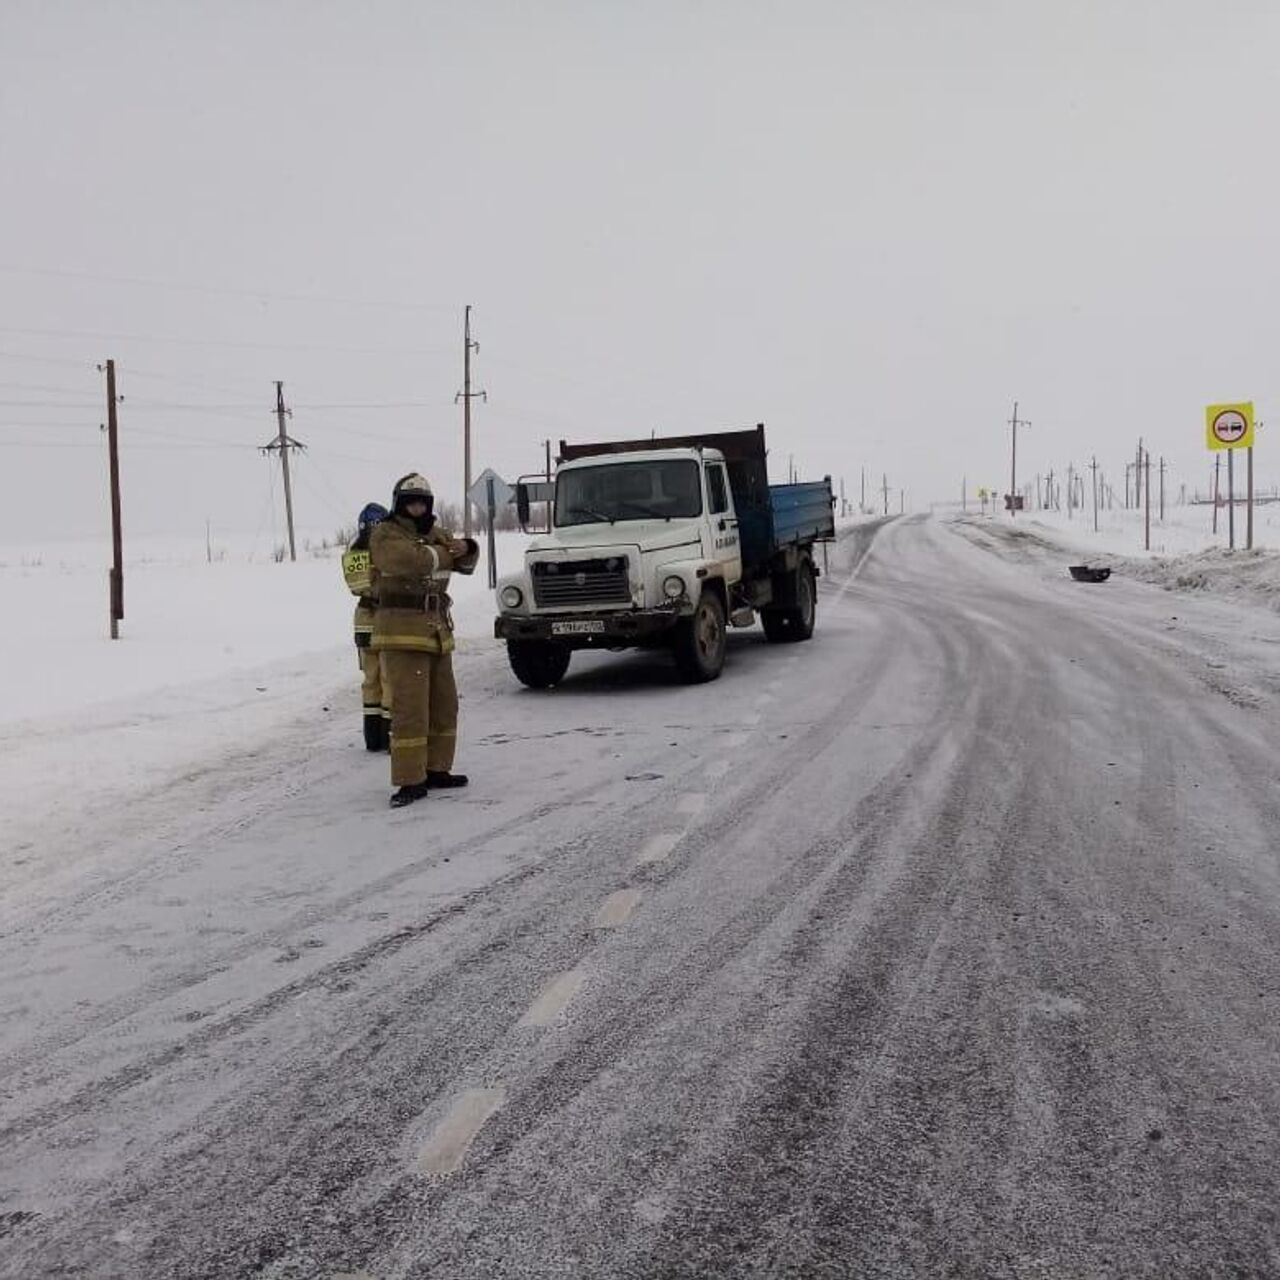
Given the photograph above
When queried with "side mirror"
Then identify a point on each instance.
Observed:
(522, 506)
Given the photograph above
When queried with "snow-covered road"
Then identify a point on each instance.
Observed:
(943, 944)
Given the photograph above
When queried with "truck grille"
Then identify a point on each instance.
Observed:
(578, 582)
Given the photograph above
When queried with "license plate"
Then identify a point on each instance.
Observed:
(592, 627)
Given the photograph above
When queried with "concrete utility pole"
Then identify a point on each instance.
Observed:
(862, 503)
(282, 444)
(1093, 466)
(1162, 488)
(1148, 493)
(886, 495)
(1137, 476)
(1015, 423)
(1217, 470)
(466, 395)
(116, 579)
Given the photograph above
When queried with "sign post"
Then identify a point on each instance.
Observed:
(489, 492)
(1230, 427)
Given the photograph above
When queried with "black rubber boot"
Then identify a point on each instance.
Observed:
(407, 795)
(375, 733)
(440, 779)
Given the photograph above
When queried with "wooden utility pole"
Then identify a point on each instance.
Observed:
(116, 580)
(1015, 423)
(282, 444)
(1093, 466)
(1217, 469)
(1162, 488)
(466, 395)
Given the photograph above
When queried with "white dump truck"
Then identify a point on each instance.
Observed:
(664, 543)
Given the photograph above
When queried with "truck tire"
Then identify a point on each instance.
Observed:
(700, 641)
(786, 626)
(805, 614)
(539, 664)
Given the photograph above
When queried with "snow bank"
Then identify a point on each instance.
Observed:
(1185, 554)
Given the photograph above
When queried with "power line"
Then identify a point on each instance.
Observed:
(59, 273)
(97, 334)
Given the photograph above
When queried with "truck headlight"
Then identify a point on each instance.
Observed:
(673, 587)
(512, 597)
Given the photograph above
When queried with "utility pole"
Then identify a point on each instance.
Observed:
(1137, 476)
(1015, 423)
(1217, 469)
(116, 578)
(282, 444)
(1093, 466)
(1071, 488)
(886, 495)
(862, 504)
(1162, 488)
(1147, 486)
(466, 395)
(902, 501)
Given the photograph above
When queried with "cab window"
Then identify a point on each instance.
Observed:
(716, 488)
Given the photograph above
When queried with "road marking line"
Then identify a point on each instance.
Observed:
(617, 908)
(658, 847)
(718, 768)
(447, 1147)
(555, 995)
(692, 804)
(736, 740)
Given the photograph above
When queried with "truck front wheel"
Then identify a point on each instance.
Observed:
(539, 664)
(700, 641)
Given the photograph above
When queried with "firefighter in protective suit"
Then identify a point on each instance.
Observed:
(357, 569)
(412, 558)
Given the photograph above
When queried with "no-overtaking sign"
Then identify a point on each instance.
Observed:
(1229, 426)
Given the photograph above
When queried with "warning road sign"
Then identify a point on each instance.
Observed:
(1229, 426)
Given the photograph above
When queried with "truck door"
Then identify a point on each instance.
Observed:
(726, 539)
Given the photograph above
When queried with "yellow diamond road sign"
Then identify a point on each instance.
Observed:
(1229, 426)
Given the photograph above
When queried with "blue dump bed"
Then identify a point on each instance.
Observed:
(802, 512)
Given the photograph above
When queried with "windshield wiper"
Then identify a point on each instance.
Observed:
(591, 511)
(648, 510)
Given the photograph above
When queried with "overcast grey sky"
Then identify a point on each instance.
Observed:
(870, 225)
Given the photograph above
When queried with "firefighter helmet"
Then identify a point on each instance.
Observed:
(409, 487)
(371, 515)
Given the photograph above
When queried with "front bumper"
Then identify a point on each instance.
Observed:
(636, 626)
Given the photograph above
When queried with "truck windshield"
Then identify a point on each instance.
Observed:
(628, 491)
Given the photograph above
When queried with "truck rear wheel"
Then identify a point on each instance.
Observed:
(783, 626)
(700, 641)
(539, 664)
